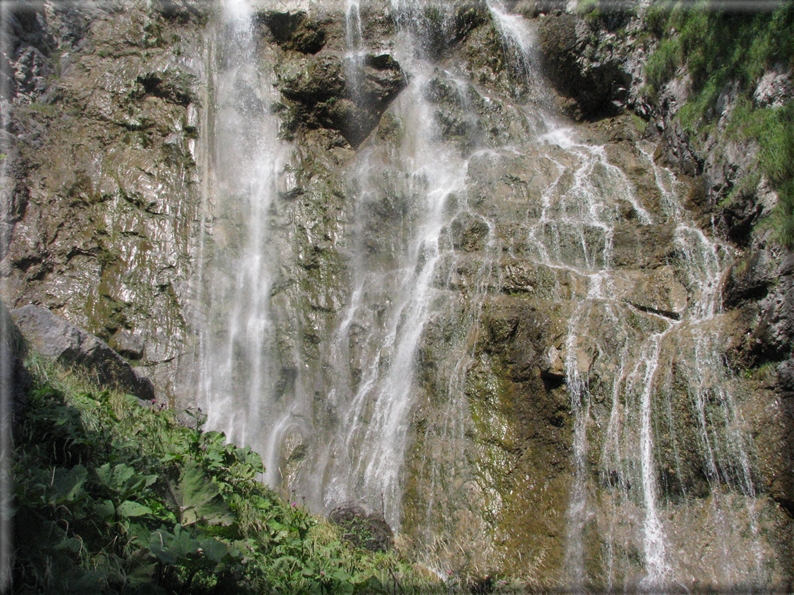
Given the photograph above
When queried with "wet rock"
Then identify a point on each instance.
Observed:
(658, 292)
(596, 84)
(182, 10)
(295, 31)
(785, 378)
(772, 334)
(748, 279)
(128, 344)
(327, 93)
(103, 213)
(454, 119)
(552, 364)
(368, 531)
(469, 232)
(740, 216)
(174, 86)
(55, 338)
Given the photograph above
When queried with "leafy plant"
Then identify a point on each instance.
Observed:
(113, 497)
(196, 498)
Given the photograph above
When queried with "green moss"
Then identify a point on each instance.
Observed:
(391, 129)
(639, 124)
(717, 46)
(587, 7)
(43, 108)
(663, 62)
(773, 130)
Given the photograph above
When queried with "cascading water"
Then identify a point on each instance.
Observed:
(397, 279)
(405, 409)
(574, 234)
(245, 158)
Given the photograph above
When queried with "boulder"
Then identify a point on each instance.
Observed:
(59, 340)
(14, 378)
(368, 531)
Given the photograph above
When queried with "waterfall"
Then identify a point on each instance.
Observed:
(245, 160)
(403, 407)
(419, 178)
(574, 235)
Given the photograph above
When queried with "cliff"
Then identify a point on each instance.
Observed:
(515, 277)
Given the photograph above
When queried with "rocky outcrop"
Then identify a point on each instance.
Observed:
(56, 339)
(322, 91)
(325, 85)
(588, 66)
(101, 195)
(368, 531)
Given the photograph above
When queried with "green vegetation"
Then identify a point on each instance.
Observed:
(42, 108)
(113, 496)
(721, 49)
(718, 47)
(603, 13)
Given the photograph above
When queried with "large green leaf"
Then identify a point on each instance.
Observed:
(105, 509)
(130, 509)
(182, 545)
(171, 548)
(125, 481)
(195, 497)
(67, 486)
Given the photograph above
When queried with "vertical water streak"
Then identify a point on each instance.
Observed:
(377, 425)
(580, 408)
(246, 158)
(354, 39)
(369, 454)
(653, 533)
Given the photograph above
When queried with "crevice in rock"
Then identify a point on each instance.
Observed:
(649, 310)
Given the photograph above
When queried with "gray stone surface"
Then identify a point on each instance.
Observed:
(57, 339)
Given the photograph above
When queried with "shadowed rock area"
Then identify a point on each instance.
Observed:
(56, 339)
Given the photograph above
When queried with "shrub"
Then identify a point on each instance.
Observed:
(116, 497)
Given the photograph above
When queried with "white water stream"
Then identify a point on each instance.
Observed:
(402, 286)
(246, 157)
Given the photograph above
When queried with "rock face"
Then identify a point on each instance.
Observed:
(367, 242)
(586, 65)
(320, 87)
(368, 531)
(55, 338)
(102, 196)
